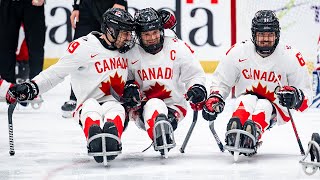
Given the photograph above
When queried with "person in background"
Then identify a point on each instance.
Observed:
(12, 15)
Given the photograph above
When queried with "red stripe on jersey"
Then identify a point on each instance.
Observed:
(1, 80)
(304, 105)
(183, 110)
(284, 117)
(118, 123)
(151, 123)
(229, 50)
(88, 123)
(78, 109)
(241, 113)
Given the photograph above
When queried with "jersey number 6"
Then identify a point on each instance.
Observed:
(300, 59)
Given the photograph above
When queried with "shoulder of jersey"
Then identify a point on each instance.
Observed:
(133, 54)
(179, 45)
(239, 47)
(287, 49)
(172, 41)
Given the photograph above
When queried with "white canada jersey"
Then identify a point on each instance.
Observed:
(92, 67)
(168, 74)
(243, 68)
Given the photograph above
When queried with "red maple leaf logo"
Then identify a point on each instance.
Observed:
(157, 91)
(262, 91)
(116, 82)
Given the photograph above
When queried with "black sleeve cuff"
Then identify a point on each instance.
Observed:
(75, 7)
(122, 2)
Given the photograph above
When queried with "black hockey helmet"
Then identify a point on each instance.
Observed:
(148, 19)
(113, 21)
(265, 21)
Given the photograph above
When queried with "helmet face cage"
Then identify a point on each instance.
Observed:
(115, 20)
(265, 21)
(147, 20)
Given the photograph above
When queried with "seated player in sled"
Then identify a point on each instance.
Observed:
(96, 63)
(162, 73)
(269, 77)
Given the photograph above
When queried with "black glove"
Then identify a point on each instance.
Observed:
(197, 94)
(290, 97)
(168, 19)
(213, 106)
(22, 92)
(131, 94)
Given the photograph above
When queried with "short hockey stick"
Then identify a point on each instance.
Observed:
(11, 143)
(214, 133)
(296, 133)
(292, 122)
(194, 121)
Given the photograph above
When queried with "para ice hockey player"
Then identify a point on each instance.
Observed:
(162, 71)
(268, 76)
(310, 167)
(95, 63)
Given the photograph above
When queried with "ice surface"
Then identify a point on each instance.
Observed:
(50, 147)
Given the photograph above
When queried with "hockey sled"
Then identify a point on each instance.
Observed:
(237, 149)
(104, 152)
(311, 167)
(164, 129)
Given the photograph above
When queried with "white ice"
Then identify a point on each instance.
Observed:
(50, 147)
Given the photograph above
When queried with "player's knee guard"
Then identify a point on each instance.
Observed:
(91, 114)
(114, 112)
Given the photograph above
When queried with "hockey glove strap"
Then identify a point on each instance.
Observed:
(168, 19)
(197, 95)
(290, 97)
(213, 106)
(22, 92)
(131, 94)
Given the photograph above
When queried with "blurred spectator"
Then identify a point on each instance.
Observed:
(12, 14)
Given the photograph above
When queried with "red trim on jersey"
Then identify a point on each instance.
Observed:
(118, 123)
(260, 119)
(88, 123)
(183, 110)
(241, 113)
(150, 122)
(284, 117)
(78, 108)
(1, 80)
(304, 105)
